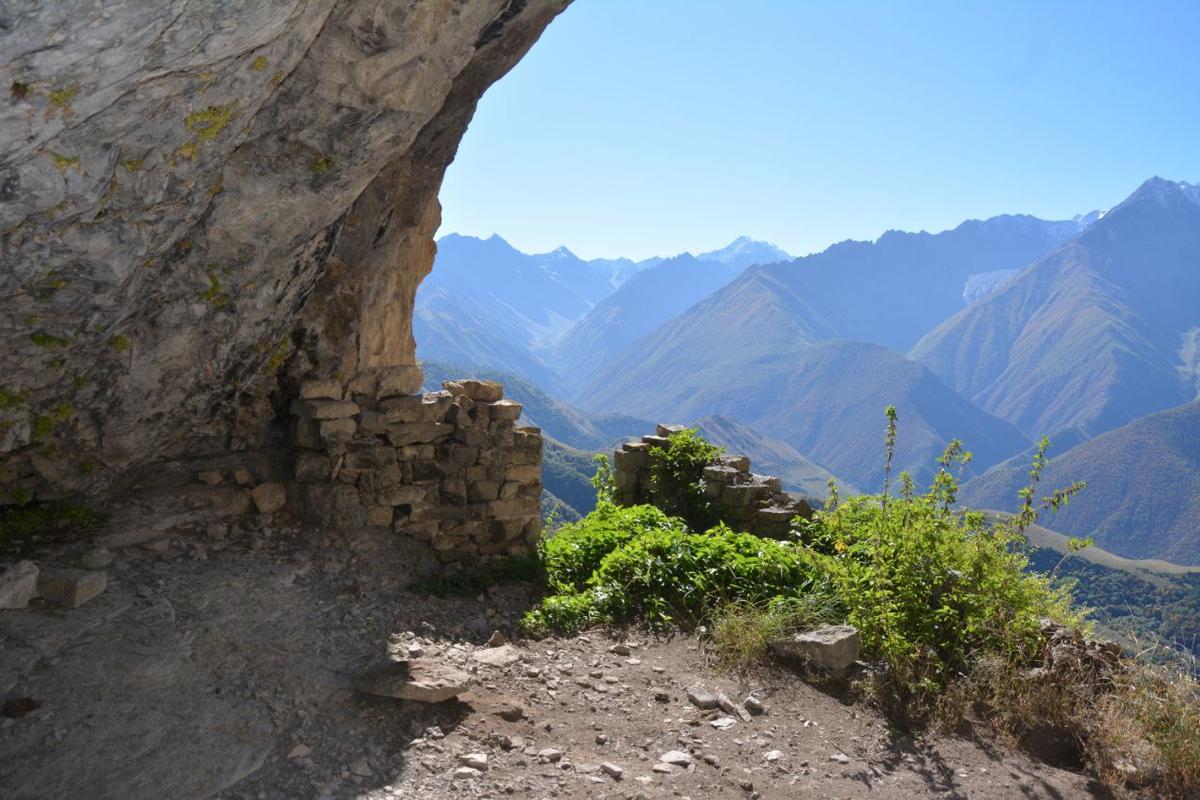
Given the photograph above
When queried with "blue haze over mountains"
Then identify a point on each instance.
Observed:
(996, 332)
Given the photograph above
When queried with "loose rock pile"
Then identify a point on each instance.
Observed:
(451, 467)
(741, 499)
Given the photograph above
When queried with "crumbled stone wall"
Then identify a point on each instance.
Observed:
(744, 501)
(451, 467)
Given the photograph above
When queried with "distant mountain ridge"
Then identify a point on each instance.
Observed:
(486, 303)
(1092, 335)
(1143, 487)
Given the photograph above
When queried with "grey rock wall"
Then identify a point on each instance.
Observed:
(204, 204)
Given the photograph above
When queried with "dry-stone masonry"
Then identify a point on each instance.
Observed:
(452, 467)
(744, 501)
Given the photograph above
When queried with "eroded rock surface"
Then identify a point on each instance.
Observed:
(202, 204)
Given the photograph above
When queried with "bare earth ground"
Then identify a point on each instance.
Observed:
(223, 669)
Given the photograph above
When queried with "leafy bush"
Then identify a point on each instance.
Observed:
(932, 589)
(671, 576)
(576, 550)
(675, 478)
(626, 564)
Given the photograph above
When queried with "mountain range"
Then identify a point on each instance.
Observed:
(994, 332)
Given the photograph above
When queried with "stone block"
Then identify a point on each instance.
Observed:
(830, 647)
(18, 584)
(403, 495)
(454, 490)
(631, 460)
(371, 422)
(482, 491)
(772, 483)
(713, 489)
(70, 588)
(720, 473)
(473, 437)
(422, 680)
(403, 434)
(325, 409)
(483, 391)
(415, 408)
(324, 389)
(739, 463)
(514, 507)
(269, 497)
(775, 515)
(742, 494)
(669, 430)
(400, 380)
(306, 434)
(380, 516)
(243, 476)
(509, 489)
(430, 470)
(528, 437)
(655, 441)
(211, 476)
(505, 410)
(336, 432)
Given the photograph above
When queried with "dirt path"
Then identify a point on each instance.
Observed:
(224, 669)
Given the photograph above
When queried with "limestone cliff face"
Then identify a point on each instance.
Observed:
(204, 202)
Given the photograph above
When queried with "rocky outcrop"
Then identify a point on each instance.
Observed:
(739, 498)
(204, 205)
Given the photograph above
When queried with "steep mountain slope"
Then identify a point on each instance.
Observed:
(1093, 335)
(745, 252)
(1143, 494)
(640, 305)
(771, 457)
(824, 399)
(694, 365)
(890, 292)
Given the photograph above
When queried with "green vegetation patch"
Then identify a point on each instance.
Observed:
(61, 98)
(675, 477)
(320, 165)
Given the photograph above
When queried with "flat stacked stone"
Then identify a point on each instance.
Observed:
(743, 500)
(451, 467)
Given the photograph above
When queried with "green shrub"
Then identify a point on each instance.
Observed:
(671, 576)
(576, 550)
(675, 478)
(933, 589)
(637, 564)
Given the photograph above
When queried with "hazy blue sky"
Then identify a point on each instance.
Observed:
(647, 127)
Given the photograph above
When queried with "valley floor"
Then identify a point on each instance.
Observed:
(223, 669)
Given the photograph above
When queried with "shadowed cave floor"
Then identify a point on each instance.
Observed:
(223, 669)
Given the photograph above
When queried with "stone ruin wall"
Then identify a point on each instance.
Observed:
(744, 501)
(451, 468)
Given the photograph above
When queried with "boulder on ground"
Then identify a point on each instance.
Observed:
(830, 647)
(70, 588)
(420, 679)
(18, 584)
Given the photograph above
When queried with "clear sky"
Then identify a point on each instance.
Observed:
(649, 127)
